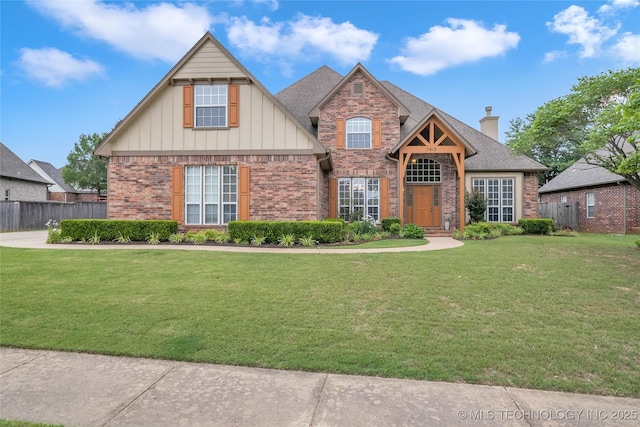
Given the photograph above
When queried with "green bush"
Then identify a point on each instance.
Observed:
(412, 231)
(322, 231)
(637, 242)
(486, 230)
(536, 225)
(111, 229)
(395, 229)
(362, 227)
(387, 223)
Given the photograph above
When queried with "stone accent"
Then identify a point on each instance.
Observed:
(609, 213)
(372, 104)
(26, 191)
(281, 187)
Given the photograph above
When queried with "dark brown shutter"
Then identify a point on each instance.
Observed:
(234, 106)
(187, 106)
(244, 194)
(384, 198)
(340, 136)
(333, 198)
(177, 194)
(377, 134)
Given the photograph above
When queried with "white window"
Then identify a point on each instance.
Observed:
(211, 105)
(591, 205)
(423, 170)
(563, 198)
(359, 198)
(359, 133)
(211, 194)
(499, 193)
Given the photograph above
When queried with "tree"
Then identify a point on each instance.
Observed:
(476, 204)
(598, 120)
(83, 169)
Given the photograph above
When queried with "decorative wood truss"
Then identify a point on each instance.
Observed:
(433, 138)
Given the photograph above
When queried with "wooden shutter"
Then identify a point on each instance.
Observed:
(377, 134)
(243, 194)
(234, 106)
(187, 106)
(340, 136)
(333, 198)
(177, 194)
(384, 198)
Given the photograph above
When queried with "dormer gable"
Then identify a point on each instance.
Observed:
(357, 89)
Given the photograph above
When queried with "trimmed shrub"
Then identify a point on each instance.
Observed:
(476, 204)
(395, 229)
(362, 227)
(111, 229)
(536, 225)
(388, 222)
(412, 231)
(322, 231)
(637, 242)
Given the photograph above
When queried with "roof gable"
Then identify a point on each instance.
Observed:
(581, 174)
(403, 112)
(51, 173)
(196, 64)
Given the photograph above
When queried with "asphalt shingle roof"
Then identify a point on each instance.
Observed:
(580, 174)
(55, 174)
(11, 166)
(300, 97)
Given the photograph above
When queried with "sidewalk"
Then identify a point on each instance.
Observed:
(37, 240)
(77, 389)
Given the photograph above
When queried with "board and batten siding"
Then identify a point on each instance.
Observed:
(209, 62)
(263, 126)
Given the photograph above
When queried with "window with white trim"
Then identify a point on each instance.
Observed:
(211, 194)
(499, 193)
(359, 196)
(423, 171)
(211, 105)
(563, 198)
(591, 205)
(358, 132)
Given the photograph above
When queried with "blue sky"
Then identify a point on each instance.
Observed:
(71, 67)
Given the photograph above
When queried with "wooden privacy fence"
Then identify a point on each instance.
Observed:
(564, 214)
(26, 216)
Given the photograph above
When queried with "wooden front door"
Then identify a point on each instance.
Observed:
(426, 205)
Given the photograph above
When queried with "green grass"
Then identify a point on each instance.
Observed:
(526, 311)
(10, 423)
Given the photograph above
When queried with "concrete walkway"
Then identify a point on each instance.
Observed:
(37, 240)
(77, 389)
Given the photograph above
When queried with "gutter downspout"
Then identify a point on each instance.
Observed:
(624, 209)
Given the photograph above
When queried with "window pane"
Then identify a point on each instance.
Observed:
(344, 198)
(211, 214)
(211, 105)
(211, 116)
(358, 132)
(373, 201)
(229, 213)
(193, 214)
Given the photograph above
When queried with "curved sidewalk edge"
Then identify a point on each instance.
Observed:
(37, 240)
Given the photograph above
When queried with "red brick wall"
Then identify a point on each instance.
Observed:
(372, 104)
(609, 215)
(530, 196)
(281, 187)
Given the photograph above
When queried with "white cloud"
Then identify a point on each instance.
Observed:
(158, 31)
(628, 48)
(553, 55)
(303, 37)
(462, 42)
(618, 4)
(54, 67)
(582, 29)
(271, 4)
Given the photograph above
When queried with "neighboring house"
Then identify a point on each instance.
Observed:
(210, 144)
(60, 191)
(607, 203)
(18, 181)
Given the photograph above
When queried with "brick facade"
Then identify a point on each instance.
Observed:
(371, 104)
(530, 195)
(281, 187)
(609, 212)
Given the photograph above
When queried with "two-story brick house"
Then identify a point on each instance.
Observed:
(210, 144)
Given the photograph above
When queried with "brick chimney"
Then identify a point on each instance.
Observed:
(489, 124)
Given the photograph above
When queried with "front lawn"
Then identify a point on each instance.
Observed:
(549, 313)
